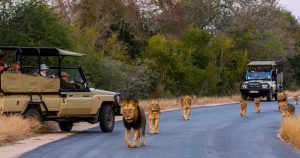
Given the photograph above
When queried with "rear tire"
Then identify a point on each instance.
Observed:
(65, 126)
(106, 119)
(33, 114)
(270, 95)
(275, 96)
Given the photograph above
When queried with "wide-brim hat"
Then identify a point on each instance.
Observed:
(64, 74)
(44, 67)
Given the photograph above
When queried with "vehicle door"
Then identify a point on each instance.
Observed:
(79, 98)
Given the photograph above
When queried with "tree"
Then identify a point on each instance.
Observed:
(32, 23)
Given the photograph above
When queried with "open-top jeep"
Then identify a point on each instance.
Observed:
(263, 79)
(43, 98)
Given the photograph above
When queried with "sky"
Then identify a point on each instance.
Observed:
(292, 5)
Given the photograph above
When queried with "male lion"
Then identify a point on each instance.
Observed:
(243, 107)
(153, 116)
(287, 109)
(295, 99)
(134, 119)
(257, 104)
(186, 102)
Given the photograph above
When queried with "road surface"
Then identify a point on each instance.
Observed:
(212, 132)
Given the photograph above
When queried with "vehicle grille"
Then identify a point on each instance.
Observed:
(254, 85)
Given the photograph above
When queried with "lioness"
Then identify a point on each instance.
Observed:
(287, 109)
(153, 116)
(281, 96)
(257, 104)
(243, 107)
(134, 119)
(295, 99)
(186, 102)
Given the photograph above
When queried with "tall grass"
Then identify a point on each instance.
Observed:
(13, 128)
(293, 93)
(175, 102)
(290, 130)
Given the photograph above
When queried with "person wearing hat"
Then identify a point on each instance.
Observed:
(43, 71)
(2, 66)
(65, 84)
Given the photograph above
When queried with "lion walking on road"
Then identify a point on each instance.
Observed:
(186, 102)
(134, 120)
(257, 104)
(287, 109)
(243, 107)
(281, 97)
(295, 99)
(153, 116)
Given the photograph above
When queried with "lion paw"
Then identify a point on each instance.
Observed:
(132, 146)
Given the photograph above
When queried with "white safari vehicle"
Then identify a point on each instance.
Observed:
(263, 79)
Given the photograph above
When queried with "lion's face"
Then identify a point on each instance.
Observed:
(283, 106)
(295, 97)
(281, 95)
(130, 111)
(154, 105)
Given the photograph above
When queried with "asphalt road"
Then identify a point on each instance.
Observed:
(212, 132)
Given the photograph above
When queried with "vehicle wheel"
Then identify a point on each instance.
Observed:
(107, 118)
(33, 114)
(270, 95)
(243, 95)
(65, 126)
(275, 96)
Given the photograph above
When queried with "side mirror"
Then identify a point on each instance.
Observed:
(85, 85)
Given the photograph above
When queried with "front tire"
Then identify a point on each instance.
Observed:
(243, 95)
(106, 118)
(65, 126)
(33, 114)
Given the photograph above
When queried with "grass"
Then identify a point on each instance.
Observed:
(290, 127)
(14, 128)
(290, 130)
(175, 102)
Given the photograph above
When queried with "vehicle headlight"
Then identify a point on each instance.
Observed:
(244, 86)
(264, 86)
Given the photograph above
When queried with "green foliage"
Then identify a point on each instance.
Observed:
(32, 23)
(204, 50)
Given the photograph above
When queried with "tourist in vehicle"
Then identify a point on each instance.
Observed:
(2, 66)
(43, 71)
(65, 84)
(15, 67)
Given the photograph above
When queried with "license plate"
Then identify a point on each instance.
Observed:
(253, 91)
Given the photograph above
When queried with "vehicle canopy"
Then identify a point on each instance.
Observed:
(263, 70)
(262, 63)
(29, 82)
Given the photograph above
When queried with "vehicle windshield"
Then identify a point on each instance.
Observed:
(259, 75)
